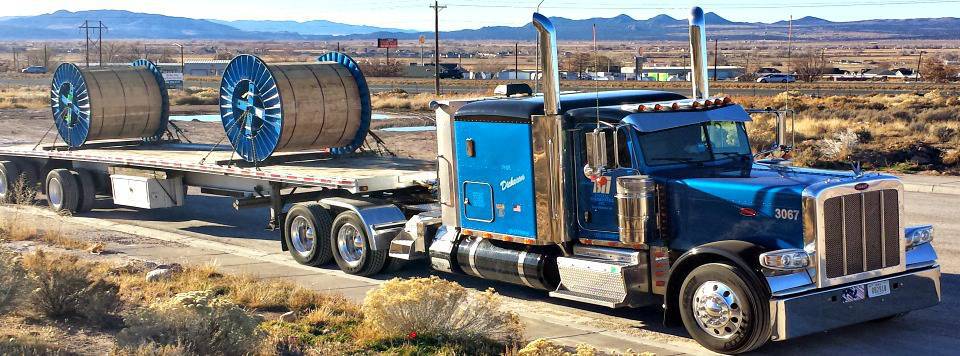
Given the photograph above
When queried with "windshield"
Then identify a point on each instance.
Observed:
(695, 143)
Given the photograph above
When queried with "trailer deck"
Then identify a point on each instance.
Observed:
(355, 174)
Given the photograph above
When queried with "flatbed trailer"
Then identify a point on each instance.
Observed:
(381, 192)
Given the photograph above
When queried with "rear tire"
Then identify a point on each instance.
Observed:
(88, 191)
(9, 175)
(722, 311)
(351, 247)
(307, 231)
(63, 191)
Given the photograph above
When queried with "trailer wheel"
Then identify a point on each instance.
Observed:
(351, 246)
(88, 191)
(9, 174)
(308, 234)
(721, 310)
(63, 192)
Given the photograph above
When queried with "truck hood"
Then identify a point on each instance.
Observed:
(761, 204)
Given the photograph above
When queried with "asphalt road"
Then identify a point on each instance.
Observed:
(926, 332)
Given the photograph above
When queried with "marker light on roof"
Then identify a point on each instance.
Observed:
(695, 105)
(657, 107)
(675, 106)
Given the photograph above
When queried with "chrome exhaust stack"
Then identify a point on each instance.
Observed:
(698, 55)
(550, 62)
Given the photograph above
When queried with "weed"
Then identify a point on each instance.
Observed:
(65, 287)
(432, 307)
(12, 279)
(199, 321)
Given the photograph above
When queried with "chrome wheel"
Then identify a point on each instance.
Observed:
(303, 236)
(55, 193)
(350, 244)
(717, 310)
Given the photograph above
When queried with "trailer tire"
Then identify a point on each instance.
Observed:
(302, 221)
(88, 190)
(9, 174)
(63, 191)
(722, 311)
(351, 246)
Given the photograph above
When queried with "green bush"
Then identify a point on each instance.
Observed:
(199, 322)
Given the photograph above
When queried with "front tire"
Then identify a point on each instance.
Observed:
(307, 228)
(351, 246)
(722, 311)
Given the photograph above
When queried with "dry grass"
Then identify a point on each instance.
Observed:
(16, 226)
(24, 98)
(882, 131)
(63, 286)
(400, 100)
(195, 96)
(436, 308)
(13, 281)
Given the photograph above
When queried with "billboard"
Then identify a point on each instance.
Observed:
(387, 43)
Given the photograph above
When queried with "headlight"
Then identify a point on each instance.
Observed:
(785, 260)
(918, 235)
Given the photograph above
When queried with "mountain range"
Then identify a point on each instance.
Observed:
(64, 25)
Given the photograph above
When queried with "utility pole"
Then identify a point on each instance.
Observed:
(716, 57)
(516, 61)
(16, 67)
(46, 60)
(436, 49)
(919, 63)
(86, 28)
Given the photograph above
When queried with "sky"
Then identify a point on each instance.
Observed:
(462, 14)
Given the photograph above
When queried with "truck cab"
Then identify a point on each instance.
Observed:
(637, 197)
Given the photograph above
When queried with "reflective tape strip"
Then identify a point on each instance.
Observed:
(523, 276)
(473, 258)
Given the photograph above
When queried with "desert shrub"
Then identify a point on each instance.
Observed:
(939, 115)
(944, 134)
(26, 345)
(432, 307)
(12, 281)
(196, 96)
(952, 158)
(199, 321)
(65, 287)
(152, 349)
(542, 347)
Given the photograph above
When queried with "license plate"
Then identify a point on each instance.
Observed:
(877, 289)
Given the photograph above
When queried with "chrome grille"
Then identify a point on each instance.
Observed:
(861, 232)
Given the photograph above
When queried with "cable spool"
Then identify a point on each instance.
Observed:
(269, 108)
(109, 103)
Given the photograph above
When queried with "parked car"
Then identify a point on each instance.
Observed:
(34, 70)
(777, 78)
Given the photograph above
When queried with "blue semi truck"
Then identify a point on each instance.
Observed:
(631, 198)
(621, 199)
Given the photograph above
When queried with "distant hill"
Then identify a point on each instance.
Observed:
(315, 27)
(130, 25)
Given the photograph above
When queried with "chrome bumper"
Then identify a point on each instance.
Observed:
(821, 310)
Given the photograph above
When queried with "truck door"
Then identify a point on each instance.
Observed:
(596, 198)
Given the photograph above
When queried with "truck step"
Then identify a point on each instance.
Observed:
(604, 276)
(402, 249)
(589, 299)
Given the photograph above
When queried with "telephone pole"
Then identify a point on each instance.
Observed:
(516, 61)
(716, 57)
(436, 49)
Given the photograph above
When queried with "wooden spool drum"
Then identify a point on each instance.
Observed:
(269, 108)
(109, 103)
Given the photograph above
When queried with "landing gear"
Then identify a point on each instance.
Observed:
(722, 311)
(351, 247)
(308, 234)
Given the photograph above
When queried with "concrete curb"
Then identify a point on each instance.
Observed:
(932, 188)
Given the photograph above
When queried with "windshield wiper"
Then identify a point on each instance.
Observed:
(729, 154)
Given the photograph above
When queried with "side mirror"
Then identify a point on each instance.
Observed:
(598, 144)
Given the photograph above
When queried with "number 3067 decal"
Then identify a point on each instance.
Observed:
(787, 214)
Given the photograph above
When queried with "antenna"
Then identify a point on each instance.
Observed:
(596, 54)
